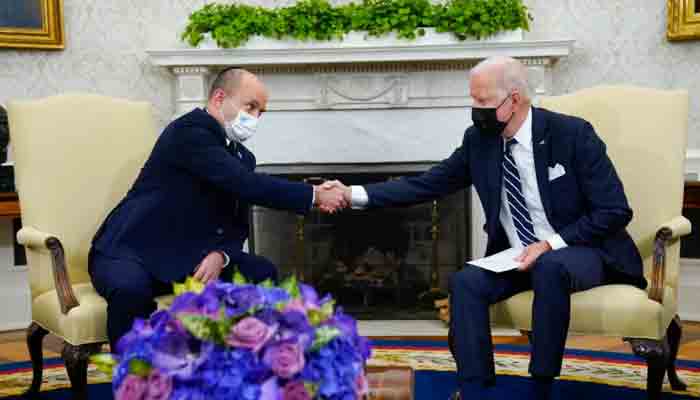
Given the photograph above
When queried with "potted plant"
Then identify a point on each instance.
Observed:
(314, 23)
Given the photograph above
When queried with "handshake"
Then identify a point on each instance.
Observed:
(332, 196)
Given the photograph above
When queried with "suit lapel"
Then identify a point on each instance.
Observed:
(541, 146)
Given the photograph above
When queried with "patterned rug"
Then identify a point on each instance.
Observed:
(595, 373)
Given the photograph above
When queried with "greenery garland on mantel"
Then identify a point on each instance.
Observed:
(231, 25)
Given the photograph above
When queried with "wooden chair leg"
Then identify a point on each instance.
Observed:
(35, 340)
(75, 359)
(674, 333)
(656, 353)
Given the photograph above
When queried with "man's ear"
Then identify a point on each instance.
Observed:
(516, 97)
(219, 96)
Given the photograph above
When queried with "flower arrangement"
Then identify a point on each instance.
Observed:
(241, 341)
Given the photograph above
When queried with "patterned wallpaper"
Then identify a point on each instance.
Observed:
(617, 41)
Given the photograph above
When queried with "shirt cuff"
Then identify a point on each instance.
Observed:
(359, 197)
(227, 259)
(556, 242)
(313, 197)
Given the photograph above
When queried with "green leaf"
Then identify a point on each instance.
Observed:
(291, 286)
(324, 335)
(267, 283)
(238, 278)
(190, 285)
(139, 368)
(315, 317)
(311, 388)
(104, 362)
(327, 309)
(202, 327)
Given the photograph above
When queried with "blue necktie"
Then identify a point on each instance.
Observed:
(516, 200)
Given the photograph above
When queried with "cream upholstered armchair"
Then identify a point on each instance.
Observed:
(75, 157)
(646, 132)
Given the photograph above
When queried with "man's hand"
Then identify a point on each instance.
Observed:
(210, 268)
(330, 197)
(347, 192)
(530, 254)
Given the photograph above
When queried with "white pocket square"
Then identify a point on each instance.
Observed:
(556, 172)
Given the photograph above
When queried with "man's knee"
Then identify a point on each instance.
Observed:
(470, 280)
(132, 297)
(258, 269)
(550, 268)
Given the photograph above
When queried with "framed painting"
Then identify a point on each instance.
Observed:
(683, 19)
(31, 24)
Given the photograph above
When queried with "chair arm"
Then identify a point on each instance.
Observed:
(679, 226)
(32, 237)
(668, 232)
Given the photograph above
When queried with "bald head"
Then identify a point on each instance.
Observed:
(235, 90)
(505, 75)
(229, 80)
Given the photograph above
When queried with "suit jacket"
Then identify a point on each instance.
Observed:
(192, 197)
(587, 206)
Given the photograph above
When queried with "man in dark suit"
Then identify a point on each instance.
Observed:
(547, 187)
(187, 212)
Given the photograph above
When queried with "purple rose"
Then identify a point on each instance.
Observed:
(295, 391)
(285, 358)
(132, 388)
(250, 333)
(159, 386)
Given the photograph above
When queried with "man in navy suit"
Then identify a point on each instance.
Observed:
(547, 187)
(187, 212)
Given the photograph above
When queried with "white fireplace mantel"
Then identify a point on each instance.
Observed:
(337, 76)
(468, 50)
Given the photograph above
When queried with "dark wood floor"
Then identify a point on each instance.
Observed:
(13, 347)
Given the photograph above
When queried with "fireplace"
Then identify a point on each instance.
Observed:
(378, 264)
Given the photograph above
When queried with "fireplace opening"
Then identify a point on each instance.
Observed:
(378, 263)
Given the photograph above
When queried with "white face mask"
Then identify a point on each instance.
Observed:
(241, 128)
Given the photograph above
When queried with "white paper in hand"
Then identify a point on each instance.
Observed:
(499, 262)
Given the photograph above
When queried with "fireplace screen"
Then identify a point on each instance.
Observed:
(377, 263)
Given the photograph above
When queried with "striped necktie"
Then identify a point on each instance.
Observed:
(516, 200)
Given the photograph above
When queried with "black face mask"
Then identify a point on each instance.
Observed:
(487, 122)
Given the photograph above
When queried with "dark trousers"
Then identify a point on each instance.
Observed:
(555, 275)
(130, 289)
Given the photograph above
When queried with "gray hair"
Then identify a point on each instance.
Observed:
(512, 75)
(229, 80)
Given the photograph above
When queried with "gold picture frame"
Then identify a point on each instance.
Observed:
(683, 20)
(32, 24)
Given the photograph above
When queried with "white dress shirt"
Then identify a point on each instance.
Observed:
(525, 160)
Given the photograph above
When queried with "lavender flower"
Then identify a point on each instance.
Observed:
(250, 333)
